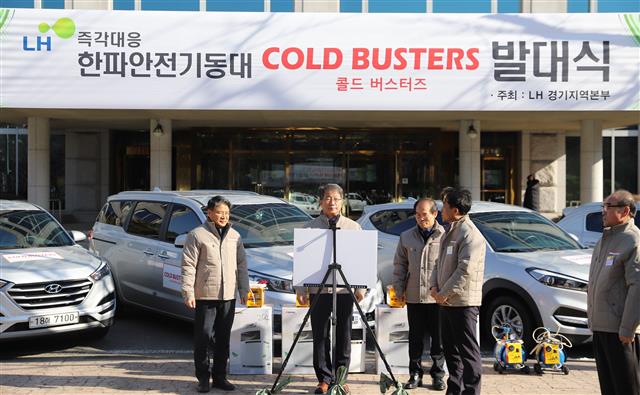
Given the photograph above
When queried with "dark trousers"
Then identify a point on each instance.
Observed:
(461, 349)
(321, 325)
(212, 326)
(424, 319)
(618, 364)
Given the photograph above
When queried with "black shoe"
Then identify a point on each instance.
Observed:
(415, 381)
(321, 388)
(438, 384)
(203, 386)
(223, 384)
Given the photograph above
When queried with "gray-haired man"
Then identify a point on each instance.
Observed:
(613, 297)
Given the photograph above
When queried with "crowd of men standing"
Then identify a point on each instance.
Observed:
(439, 270)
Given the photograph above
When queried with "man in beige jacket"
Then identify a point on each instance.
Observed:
(613, 297)
(456, 285)
(331, 204)
(214, 267)
(416, 257)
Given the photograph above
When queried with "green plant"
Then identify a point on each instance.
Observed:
(279, 387)
(341, 378)
(386, 383)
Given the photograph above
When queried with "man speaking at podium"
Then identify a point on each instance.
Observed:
(331, 205)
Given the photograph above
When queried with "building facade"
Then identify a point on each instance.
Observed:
(70, 159)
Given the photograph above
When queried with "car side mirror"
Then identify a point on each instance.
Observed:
(78, 236)
(180, 240)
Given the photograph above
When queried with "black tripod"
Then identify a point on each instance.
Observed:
(334, 269)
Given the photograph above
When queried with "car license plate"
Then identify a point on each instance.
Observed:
(43, 321)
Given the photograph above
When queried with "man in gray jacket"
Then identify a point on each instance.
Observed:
(613, 298)
(213, 268)
(416, 257)
(331, 205)
(456, 285)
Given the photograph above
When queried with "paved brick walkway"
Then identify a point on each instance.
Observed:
(99, 372)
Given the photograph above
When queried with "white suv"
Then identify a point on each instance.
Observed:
(585, 222)
(48, 283)
(536, 274)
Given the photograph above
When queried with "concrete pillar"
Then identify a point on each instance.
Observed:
(561, 180)
(544, 6)
(160, 154)
(316, 5)
(429, 6)
(525, 163)
(544, 156)
(469, 163)
(82, 173)
(591, 172)
(104, 165)
(38, 164)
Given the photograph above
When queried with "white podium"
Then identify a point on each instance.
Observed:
(251, 341)
(392, 333)
(301, 361)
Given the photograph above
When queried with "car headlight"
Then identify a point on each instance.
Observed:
(273, 283)
(102, 271)
(558, 280)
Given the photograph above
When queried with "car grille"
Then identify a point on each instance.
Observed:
(33, 296)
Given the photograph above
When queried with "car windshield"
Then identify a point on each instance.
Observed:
(263, 225)
(30, 229)
(512, 231)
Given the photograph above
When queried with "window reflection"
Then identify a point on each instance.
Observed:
(373, 165)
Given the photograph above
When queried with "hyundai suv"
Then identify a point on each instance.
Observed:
(48, 283)
(536, 274)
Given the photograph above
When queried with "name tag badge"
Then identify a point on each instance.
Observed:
(449, 250)
(610, 259)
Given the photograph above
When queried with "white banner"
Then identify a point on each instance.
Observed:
(300, 61)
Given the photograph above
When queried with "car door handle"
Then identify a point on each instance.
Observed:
(380, 246)
(148, 251)
(164, 255)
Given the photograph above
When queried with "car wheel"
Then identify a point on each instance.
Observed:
(509, 310)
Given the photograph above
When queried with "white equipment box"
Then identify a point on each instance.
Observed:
(392, 333)
(251, 341)
(301, 361)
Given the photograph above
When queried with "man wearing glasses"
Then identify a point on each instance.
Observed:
(613, 298)
(331, 205)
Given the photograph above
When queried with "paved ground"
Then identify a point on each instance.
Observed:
(92, 371)
(149, 353)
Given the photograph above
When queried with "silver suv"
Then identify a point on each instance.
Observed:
(536, 274)
(48, 283)
(141, 234)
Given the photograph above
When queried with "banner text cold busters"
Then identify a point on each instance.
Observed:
(293, 58)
